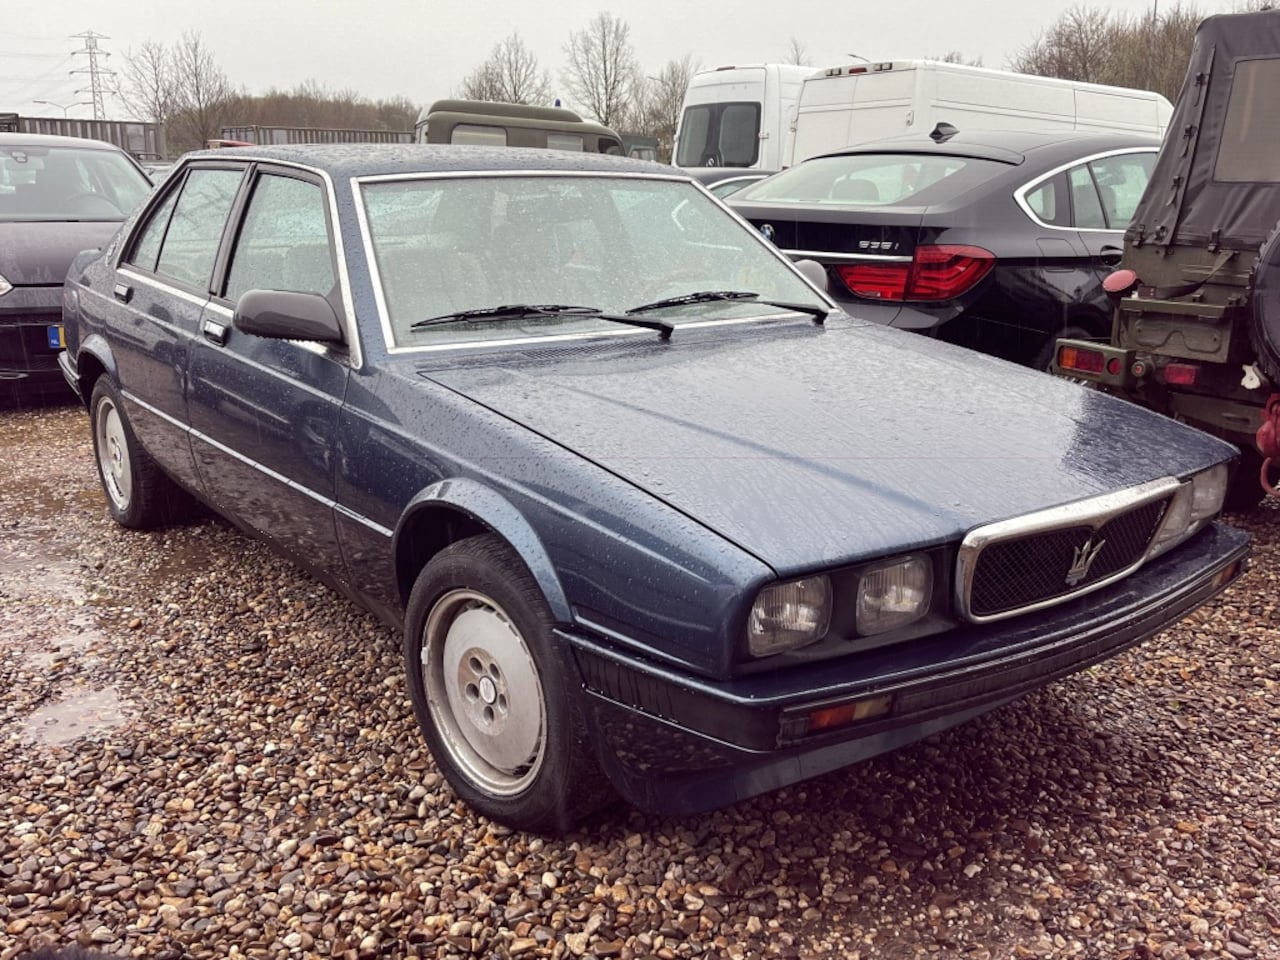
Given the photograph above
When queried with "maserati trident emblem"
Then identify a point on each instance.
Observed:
(768, 231)
(1082, 560)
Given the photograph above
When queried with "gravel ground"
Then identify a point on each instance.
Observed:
(205, 753)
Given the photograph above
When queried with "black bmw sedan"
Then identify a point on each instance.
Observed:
(994, 240)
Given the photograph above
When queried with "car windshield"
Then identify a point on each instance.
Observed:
(874, 179)
(445, 245)
(68, 183)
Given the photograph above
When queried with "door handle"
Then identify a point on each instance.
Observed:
(1111, 255)
(122, 292)
(215, 332)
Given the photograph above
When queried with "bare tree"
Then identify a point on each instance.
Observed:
(146, 83)
(955, 56)
(797, 54)
(203, 92)
(659, 103)
(1147, 51)
(510, 75)
(602, 73)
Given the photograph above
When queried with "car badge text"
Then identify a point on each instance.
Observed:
(1082, 559)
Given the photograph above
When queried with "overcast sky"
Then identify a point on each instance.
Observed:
(421, 49)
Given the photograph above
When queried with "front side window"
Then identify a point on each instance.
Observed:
(284, 241)
(720, 135)
(447, 245)
(195, 228)
(1249, 151)
(1121, 181)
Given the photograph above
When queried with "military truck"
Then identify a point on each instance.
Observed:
(1196, 329)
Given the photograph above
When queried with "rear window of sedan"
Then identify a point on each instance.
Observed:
(874, 180)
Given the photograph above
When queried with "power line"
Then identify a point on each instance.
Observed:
(96, 73)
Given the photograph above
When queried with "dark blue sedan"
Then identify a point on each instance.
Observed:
(654, 515)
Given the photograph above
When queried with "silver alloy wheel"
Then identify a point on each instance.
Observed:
(484, 692)
(113, 454)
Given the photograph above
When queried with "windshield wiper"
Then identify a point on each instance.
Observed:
(708, 296)
(522, 311)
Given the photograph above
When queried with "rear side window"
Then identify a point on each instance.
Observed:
(1085, 200)
(195, 226)
(147, 250)
(1121, 182)
(479, 135)
(284, 242)
(1249, 151)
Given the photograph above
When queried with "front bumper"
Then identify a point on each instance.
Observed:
(30, 338)
(675, 744)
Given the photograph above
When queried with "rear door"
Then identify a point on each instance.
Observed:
(264, 411)
(1104, 194)
(160, 289)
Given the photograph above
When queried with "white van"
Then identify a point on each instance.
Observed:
(738, 116)
(859, 103)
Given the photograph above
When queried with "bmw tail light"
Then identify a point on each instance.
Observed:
(935, 273)
(876, 281)
(947, 271)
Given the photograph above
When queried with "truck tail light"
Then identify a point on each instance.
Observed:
(1180, 374)
(936, 272)
(1083, 361)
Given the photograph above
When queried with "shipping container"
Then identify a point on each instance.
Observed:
(144, 140)
(275, 136)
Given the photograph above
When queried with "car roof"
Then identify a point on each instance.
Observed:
(373, 159)
(52, 140)
(1007, 146)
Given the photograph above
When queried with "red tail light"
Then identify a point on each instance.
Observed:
(940, 272)
(1182, 374)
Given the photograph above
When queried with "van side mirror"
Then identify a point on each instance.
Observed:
(287, 315)
(814, 272)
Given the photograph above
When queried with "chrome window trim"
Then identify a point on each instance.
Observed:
(375, 279)
(348, 317)
(1092, 512)
(1020, 195)
(856, 257)
(153, 280)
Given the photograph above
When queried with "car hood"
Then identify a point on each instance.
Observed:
(811, 446)
(39, 252)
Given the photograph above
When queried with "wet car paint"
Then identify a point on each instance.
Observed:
(651, 488)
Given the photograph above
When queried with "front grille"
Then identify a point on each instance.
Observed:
(1049, 565)
(24, 342)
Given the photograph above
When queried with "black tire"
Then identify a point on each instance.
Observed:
(1264, 312)
(489, 691)
(1044, 356)
(139, 494)
(1244, 491)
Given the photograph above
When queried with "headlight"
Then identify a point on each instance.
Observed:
(5, 285)
(894, 595)
(789, 615)
(1198, 500)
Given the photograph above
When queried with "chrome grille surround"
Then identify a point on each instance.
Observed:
(1092, 514)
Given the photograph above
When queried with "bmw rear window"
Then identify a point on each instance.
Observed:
(875, 179)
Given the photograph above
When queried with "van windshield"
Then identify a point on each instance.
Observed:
(720, 135)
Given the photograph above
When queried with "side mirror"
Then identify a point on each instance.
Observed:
(287, 315)
(814, 272)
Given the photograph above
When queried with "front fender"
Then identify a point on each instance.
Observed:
(490, 508)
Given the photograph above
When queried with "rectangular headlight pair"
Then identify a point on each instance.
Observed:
(1198, 500)
(796, 613)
